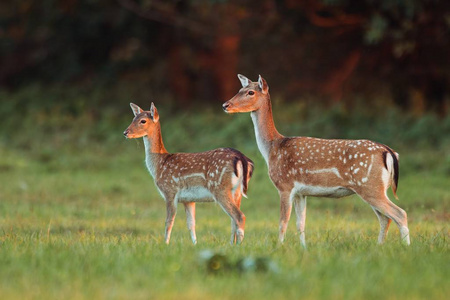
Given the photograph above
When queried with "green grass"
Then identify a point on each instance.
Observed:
(80, 218)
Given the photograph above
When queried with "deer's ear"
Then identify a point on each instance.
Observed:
(154, 113)
(136, 109)
(262, 83)
(244, 80)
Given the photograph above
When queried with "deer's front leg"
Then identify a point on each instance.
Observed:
(189, 207)
(171, 209)
(285, 213)
(300, 210)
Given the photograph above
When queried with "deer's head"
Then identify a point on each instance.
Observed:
(144, 122)
(250, 97)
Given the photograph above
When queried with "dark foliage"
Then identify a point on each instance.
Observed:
(192, 50)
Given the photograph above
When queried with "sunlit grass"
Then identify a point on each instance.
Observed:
(92, 227)
(80, 218)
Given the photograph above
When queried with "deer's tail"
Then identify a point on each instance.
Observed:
(247, 165)
(390, 159)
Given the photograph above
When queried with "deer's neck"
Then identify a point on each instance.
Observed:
(154, 149)
(265, 130)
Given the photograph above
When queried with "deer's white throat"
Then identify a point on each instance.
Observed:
(261, 141)
(150, 157)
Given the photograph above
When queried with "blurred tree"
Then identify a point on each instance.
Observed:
(206, 47)
(401, 43)
(193, 49)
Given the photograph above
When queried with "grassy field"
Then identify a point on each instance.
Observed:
(80, 218)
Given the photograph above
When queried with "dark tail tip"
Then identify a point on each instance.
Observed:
(396, 173)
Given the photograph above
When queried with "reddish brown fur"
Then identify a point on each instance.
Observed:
(294, 159)
(305, 166)
(219, 175)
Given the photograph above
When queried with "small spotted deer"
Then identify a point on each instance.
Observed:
(219, 175)
(306, 166)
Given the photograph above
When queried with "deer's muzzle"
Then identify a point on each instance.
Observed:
(225, 106)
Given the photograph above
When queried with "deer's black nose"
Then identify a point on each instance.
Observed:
(225, 106)
(125, 133)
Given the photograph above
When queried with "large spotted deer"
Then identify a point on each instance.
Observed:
(219, 175)
(306, 166)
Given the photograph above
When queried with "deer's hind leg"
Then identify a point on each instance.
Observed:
(234, 228)
(189, 208)
(385, 208)
(225, 201)
(384, 225)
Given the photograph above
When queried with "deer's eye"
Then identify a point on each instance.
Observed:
(251, 93)
(143, 121)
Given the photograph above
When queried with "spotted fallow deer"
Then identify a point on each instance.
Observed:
(306, 166)
(219, 175)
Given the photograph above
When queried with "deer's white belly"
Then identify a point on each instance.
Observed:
(195, 194)
(320, 191)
